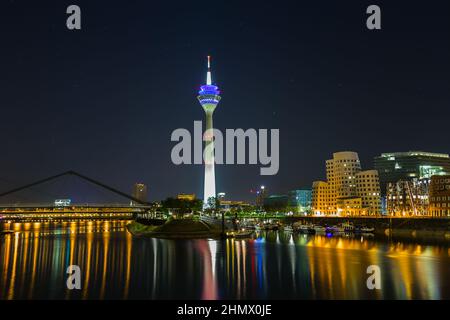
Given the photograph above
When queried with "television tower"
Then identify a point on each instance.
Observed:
(209, 98)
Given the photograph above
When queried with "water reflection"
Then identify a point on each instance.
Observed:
(273, 265)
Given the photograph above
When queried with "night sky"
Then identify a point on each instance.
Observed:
(104, 100)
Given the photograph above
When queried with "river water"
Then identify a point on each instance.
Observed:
(274, 265)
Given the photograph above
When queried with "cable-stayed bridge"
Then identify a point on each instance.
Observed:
(38, 211)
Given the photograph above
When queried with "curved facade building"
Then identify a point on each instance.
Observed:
(341, 173)
(348, 191)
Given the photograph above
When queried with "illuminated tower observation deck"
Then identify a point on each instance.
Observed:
(209, 98)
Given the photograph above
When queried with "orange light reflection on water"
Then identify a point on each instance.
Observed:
(296, 266)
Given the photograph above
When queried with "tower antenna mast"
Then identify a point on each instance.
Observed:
(208, 74)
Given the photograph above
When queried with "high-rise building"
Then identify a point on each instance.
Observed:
(139, 192)
(396, 166)
(261, 194)
(341, 175)
(347, 191)
(440, 196)
(209, 98)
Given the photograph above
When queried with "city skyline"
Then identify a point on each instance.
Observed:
(414, 170)
(324, 175)
(100, 110)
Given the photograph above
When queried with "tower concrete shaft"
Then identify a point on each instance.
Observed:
(209, 98)
(210, 175)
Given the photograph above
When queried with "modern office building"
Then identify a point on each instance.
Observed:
(209, 97)
(348, 190)
(139, 192)
(396, 166)
(440, 196)
(296, 201)
(300, 200)
(406, 198)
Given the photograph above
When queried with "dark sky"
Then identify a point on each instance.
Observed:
(104, 100)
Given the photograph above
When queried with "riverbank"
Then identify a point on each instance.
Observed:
(402, 228)
(434, 229)
(175, 229)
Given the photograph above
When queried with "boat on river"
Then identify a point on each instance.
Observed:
(335, 229)
(364, 229)
(304, 228)
(270, 226)
(319, 228)
(250, 226)
(348, 227)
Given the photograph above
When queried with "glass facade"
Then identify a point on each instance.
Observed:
(300, 198)
(393, 167)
